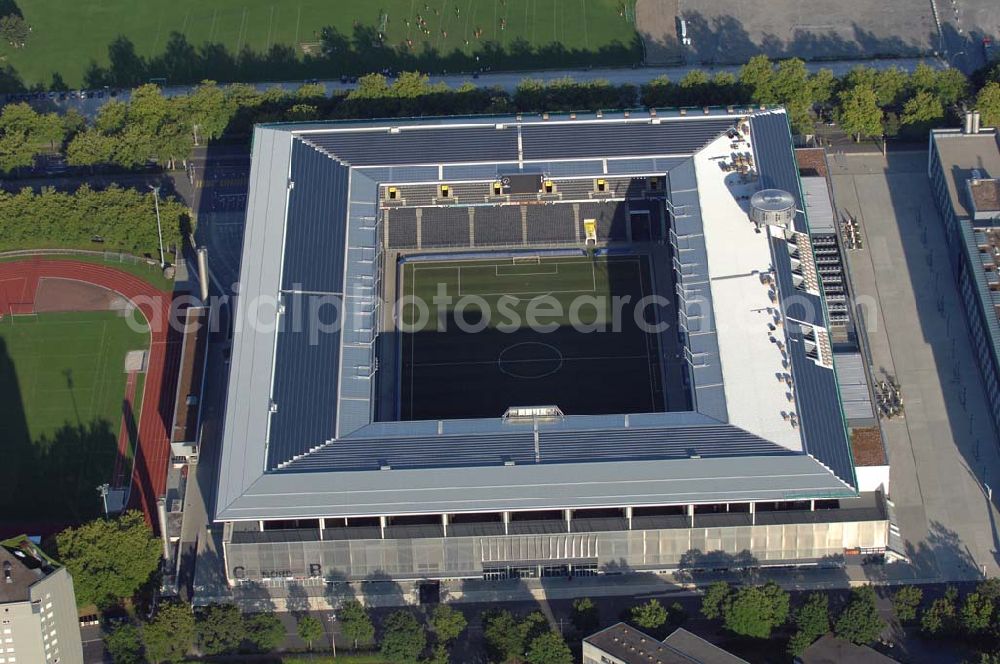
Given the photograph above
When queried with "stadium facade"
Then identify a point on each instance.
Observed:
(746, 461)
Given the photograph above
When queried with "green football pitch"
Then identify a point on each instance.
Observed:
(68, 35)
(528, 331)
(62, 382)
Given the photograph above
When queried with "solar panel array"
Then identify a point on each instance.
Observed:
(305, 377)
(615, 140)
(519, 447)
(315, 231)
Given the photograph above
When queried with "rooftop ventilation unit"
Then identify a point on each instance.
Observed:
(772, 207)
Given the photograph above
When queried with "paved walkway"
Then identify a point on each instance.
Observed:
(944, 451)
(18, 283)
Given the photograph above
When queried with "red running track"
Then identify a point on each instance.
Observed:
(18, 284)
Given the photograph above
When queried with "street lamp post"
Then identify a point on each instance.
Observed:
(103, 490)
(159, 227)
(333, 636)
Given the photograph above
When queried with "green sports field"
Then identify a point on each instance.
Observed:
(68, 35)
(527, 331)
(62, 382)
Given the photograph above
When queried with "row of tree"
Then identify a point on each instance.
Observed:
(115, 218)
(152, 128)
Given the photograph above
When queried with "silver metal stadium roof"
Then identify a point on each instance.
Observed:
(299, 439)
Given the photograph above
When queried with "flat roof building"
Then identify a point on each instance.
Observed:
(964, 169)
(37, 607)
(744, 450)
(624, 644)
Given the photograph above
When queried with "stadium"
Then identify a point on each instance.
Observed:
(519, 347)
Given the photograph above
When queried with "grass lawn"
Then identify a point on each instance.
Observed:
(528, 332)
(68, 35)
(61, 386)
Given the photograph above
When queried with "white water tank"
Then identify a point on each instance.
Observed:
(772, 207)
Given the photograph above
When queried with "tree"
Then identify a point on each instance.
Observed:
(14, 29)
(311, 92)
(676, 615)
(371, 86)
(757, 77)
(265, 631)
(220, 629)
(650, 615)
(156, 128)
(309, 628)
(889, 85)
(170, 634)
(503, 635)
(922, 108)
(812, 621)
(403, 638)
(790, 86)
(355, 623)
(658, 92)
(549, 648)
(905, 602)
(90, 148)
(976, 614)
(585, 616)
(951, 86)
(822, 85)
(19, 125)
(124, 644)
(302, 112)
(534, 625)
(860, 621)
(109, 559)
(447, 622)
(939, 619)
(859, 112)
(111, 117)
(439, 655)
(210, 110)
(756, 610)
(51, 129)
(988, 104)
(714, 600)
(694, 89)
